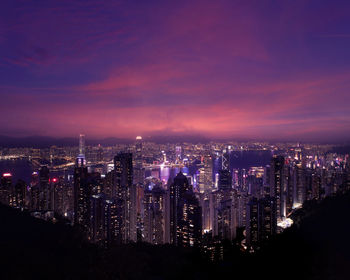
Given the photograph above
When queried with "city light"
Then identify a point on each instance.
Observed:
(285, 223)
(175, 139)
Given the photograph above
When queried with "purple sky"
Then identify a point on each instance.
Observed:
(222, 69)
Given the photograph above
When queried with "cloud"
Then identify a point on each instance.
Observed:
(218, 69)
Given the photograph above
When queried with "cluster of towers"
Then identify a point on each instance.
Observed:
(12, 195)
(123, 206)
(259, 201)
(43, 197)
(119, 209)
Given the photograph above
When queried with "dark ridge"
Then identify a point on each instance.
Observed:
(46, 142)
(317, 246)
(35, 249)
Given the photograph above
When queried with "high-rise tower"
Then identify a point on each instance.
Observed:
(138, 170)
(80, 161)
(125, 194)
(82, 191)
(226, 158)
(277, 186)
(6, 188)
(81, 144)
(185, 213)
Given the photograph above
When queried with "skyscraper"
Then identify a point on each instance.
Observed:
(267, 218)
(61, 198)
(154, 215)
(206, 174)
(46, 193)
(19, 195)
(185, 213)
(261, 221)
(277, 187)
(225, 180)
(223, 213)
(299, 184)
(82, 144)
(82, 194)
(227, 219)
(111, 226)
(125, 194)
(226, 158)
(138, 170)
(80, 160)
(178, 154)
(34, 192)
(82, 191)
(6, 188)
(97, 213)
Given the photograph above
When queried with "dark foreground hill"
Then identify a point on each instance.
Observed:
(317, 247)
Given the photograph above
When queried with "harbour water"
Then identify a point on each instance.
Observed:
(19, 168)
(22, 168)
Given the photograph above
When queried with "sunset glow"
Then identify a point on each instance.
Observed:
(219, 69)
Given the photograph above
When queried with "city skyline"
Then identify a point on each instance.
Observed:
(229, 69)
(190, 139)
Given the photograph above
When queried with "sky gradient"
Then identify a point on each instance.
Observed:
(221, 69)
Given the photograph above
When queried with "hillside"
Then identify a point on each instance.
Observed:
(317, 247)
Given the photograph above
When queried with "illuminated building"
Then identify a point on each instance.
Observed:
(61, 196)
(81, 144)
(19, 195)
(225, 180)
(100, 154)
(185, 213)
(316, 186)
(227, 219)
(178, 154)
(226, 158)
(267, 218)
(254, 186)
(125, 194)
(34, 192)
(206, 175)
(289, 187)
(139, 211)
(189, 228)
(299, 184)
(138, 170)
(80, 160)
(82, 195)
(96, 228)
(223, 214)
(261, 221)
(6, 188)
(277, 187)
(206, 217)
(108, 184)
(104, 228)
(241, 204)
(46, 193)
(154, 215)
(252, 224)
(176, 192)
(111, 226)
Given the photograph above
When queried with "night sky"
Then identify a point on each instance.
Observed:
(222, 69)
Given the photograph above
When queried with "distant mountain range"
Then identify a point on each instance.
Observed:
(45, 141)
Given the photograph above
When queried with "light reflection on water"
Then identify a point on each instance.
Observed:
(166, 173)
(22, 168)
